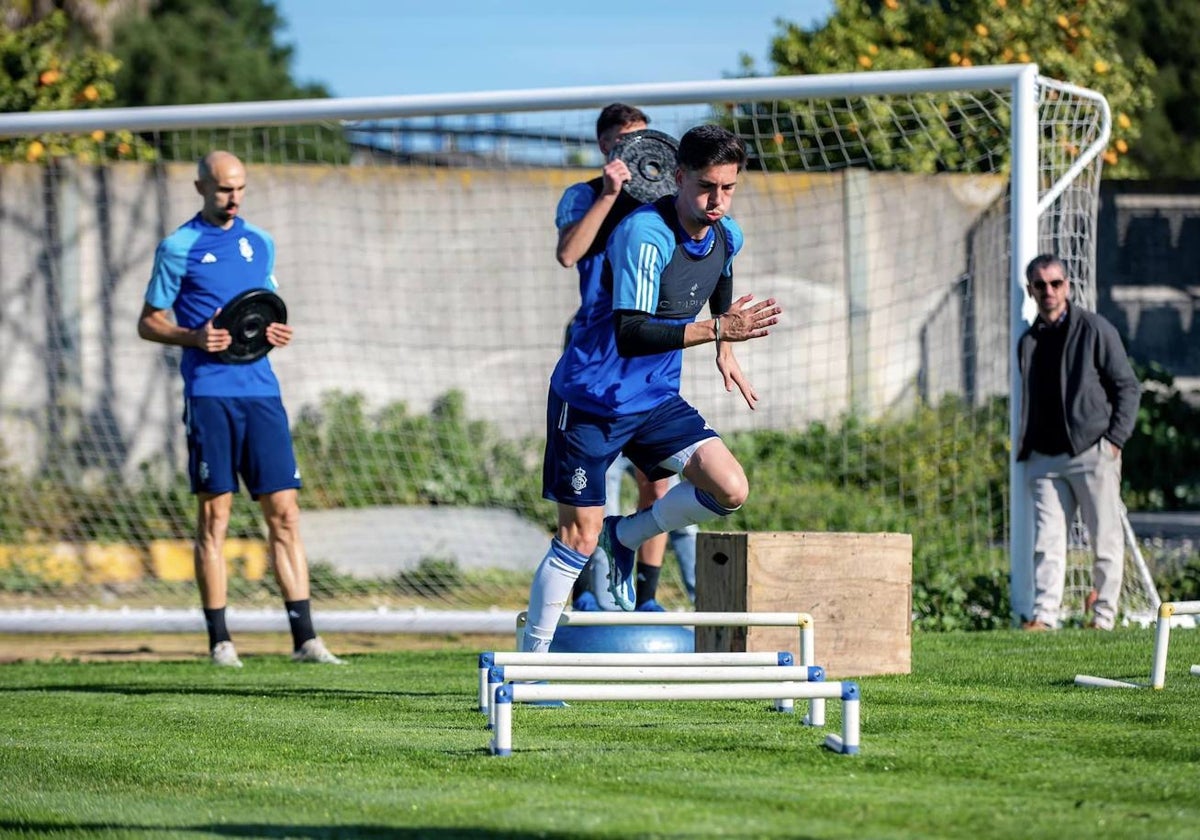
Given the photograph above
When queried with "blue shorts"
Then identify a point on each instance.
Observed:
(581, 446)
(246, 436)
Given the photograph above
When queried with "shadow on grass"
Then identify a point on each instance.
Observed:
(307, 692)
(315, 832)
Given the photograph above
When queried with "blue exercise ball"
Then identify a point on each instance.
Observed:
(632, 639)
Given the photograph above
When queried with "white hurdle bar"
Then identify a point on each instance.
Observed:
(500, 674)
(490, 659)
(1162, 639)
(847, 743)
(609, 618)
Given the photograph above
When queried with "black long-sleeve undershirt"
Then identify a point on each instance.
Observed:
(637, 335)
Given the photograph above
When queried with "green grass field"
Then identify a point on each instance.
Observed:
(988, 737)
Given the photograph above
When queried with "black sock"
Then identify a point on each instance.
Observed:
(299, 615)
(647, 583)
(214, 620)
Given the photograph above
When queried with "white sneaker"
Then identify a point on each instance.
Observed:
(314, 650)
(225, 655)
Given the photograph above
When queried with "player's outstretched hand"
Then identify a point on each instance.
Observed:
(745, 321)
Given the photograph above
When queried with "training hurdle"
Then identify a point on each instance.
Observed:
(500, 674)
(490, 659)
(847, 743)
(803, 622)
(1162, 639)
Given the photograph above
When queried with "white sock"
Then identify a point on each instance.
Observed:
(682, 505)
(548, 596)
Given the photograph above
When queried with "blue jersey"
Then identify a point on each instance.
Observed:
(572, 207)
(198, 269)
(651, 268)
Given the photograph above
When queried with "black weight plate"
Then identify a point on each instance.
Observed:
(650, 156)
(246, 317)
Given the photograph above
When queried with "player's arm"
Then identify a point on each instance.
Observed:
(156, 322)
(158, 325)
(575, 238)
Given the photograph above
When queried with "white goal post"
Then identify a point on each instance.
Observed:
(891, 213)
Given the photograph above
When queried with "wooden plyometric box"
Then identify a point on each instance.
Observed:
(857, 588)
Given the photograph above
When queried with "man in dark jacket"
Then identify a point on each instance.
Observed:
(1079, 403)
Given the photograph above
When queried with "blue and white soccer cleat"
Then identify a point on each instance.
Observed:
(622, 584)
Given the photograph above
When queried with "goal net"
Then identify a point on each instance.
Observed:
(889, 213)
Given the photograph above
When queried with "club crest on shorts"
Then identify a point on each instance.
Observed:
(578, 480)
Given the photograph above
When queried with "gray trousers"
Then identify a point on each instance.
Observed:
(1089, 482)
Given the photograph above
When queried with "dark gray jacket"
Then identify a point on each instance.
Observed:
(1100, 390)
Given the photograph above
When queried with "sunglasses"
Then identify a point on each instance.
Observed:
(1041, 285)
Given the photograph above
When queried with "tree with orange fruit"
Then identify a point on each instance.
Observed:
(1071, 40)
(42, 70)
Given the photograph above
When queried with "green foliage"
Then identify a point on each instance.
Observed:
(1165, 447)
(1169, 33)
(396, 458)
(940, 474)
(1070, 40)
(42, 69)
(1179, 582)
(185, 52)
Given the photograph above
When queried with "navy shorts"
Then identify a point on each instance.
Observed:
(581, 446)
(246, 436)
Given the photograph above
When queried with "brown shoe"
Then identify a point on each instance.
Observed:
(1036, 626)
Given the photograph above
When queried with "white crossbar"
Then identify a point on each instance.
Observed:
(503, 657)
(606, 618)
(683, 673)
(649, 673)
(506, 657)
(507, 694)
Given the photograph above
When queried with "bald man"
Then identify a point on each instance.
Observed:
(235, 419)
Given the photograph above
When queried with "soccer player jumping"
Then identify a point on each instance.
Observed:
(616, 386)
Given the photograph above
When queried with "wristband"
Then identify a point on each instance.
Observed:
(717, 329)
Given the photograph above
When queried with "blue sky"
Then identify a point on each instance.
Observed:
(398, 47)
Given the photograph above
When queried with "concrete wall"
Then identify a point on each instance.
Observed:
(404, 284)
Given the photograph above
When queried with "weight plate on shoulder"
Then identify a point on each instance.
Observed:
(246, 317)
(650, 156)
